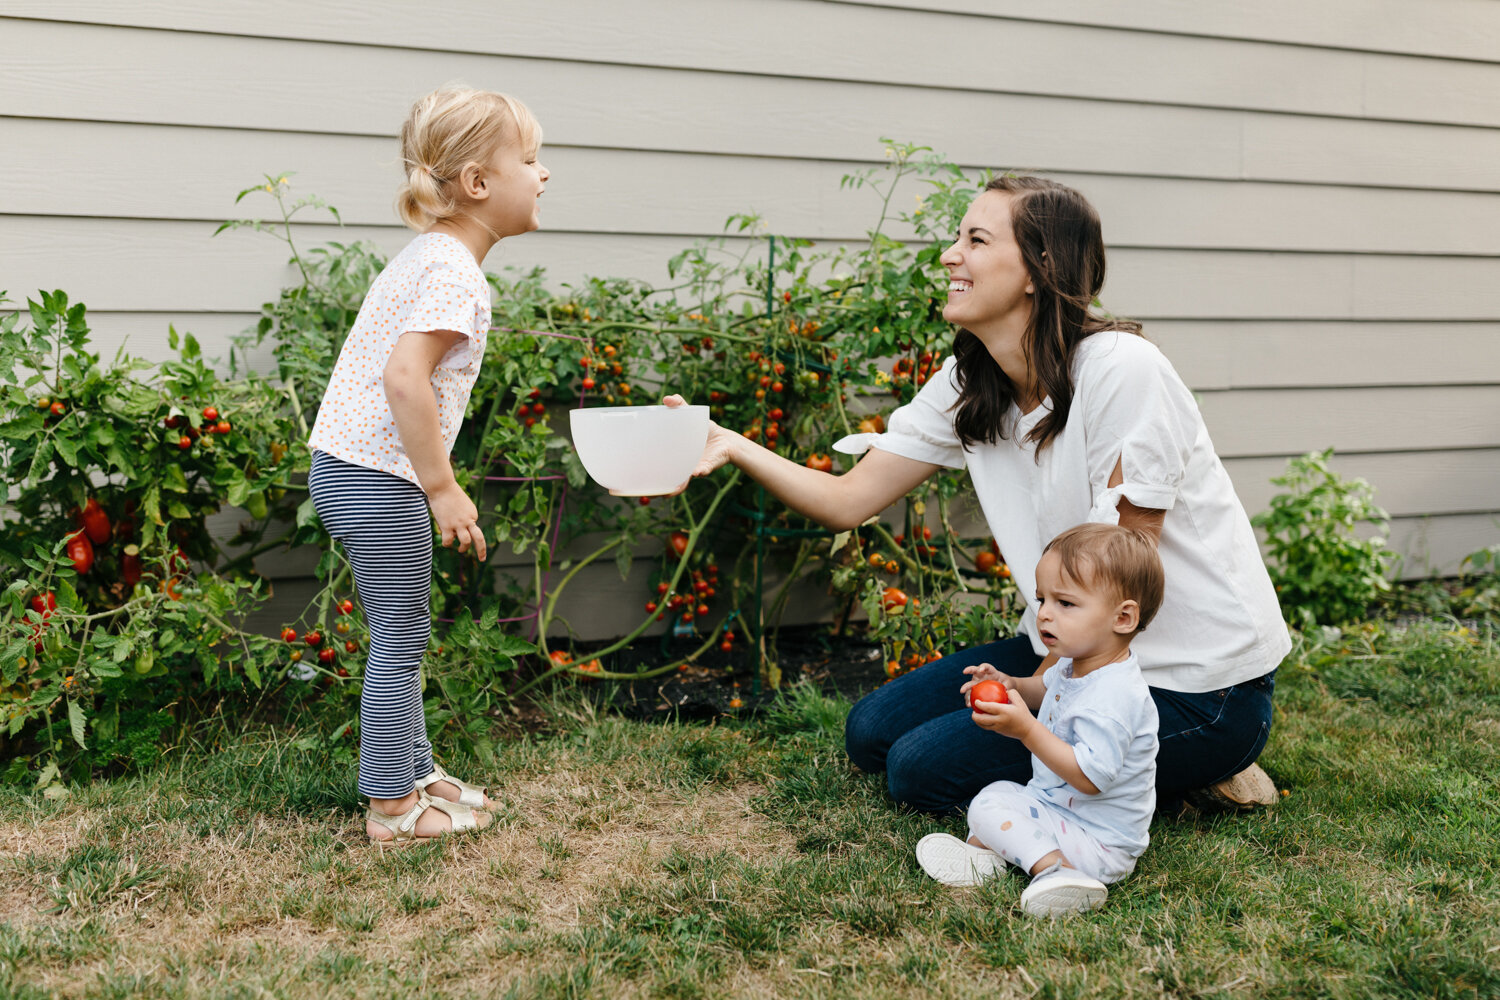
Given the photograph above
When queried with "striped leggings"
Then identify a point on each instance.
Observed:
(384, 525)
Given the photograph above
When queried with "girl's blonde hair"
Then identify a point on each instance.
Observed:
(445, 132)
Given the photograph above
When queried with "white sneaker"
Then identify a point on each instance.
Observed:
(956, 862)
(1062, 892)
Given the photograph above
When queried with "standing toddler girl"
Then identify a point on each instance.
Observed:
(388, 421)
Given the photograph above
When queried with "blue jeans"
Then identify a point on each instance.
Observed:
(918, 730)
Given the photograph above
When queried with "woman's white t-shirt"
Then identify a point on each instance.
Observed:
(1219, 623)
(433, 284)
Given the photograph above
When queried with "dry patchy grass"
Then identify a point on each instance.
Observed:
(298, 887)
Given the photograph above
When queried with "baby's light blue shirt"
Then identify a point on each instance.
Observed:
(1110, 721)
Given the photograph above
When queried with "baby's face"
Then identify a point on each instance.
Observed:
(1076, 620)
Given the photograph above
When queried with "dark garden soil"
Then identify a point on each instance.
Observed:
(706, 689)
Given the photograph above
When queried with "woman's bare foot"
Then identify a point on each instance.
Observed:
(432, 822)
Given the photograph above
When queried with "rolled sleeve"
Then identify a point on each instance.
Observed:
(1141, 415)
(922, 430)
(1099, 747)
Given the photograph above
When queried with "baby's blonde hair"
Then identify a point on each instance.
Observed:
(445, 132)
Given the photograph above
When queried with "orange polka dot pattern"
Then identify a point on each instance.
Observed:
(433, 284)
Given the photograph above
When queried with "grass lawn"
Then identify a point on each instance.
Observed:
(751, 859)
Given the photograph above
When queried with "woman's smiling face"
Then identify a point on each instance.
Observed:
(988, 283)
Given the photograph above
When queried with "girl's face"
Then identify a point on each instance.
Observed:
(988, 285)
(514, 179)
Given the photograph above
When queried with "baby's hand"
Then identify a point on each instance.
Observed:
(983, 672)
(1013, 718)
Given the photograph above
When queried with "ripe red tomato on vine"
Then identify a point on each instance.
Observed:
(95, 522)
(81, 551)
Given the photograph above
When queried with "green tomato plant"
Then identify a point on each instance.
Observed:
(1323, 571)
(111, 614)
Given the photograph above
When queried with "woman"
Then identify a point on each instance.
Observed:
(1061, 416)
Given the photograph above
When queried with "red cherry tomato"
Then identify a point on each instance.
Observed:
(327, 656)
(820, 461)
(313, 638)
(59, 408)
(95, 522)
(81, 551)
(351, 646)
(985, 562)
(289, 634)
(210, 414)
(679, 543)
(222, 427)
(988, 691)
(346, 607)
(184, 443)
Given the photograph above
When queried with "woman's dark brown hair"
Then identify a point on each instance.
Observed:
(1062, 246)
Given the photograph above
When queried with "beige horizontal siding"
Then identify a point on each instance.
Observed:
(797, 195)
(1245, 354)
(1403, 481)
(1300, 198)
(794, 38)
(1457, 29)
(73, 72)
(1436, 546)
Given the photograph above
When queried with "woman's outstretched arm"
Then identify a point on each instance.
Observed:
(838, 502)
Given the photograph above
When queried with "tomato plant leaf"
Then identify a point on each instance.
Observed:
(10, 660)
(76, 721)
(172, 478)
(307, 514)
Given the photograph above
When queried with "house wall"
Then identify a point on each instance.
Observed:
(1302, 200)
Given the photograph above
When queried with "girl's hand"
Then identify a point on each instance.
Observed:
(457, 518)
(984, 672)
(1011, 719)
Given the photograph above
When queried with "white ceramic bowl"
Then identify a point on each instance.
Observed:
(640, 450)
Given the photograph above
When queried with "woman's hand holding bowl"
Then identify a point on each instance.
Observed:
(716, 452)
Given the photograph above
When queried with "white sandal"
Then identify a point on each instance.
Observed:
(469, 795)
(404, 827)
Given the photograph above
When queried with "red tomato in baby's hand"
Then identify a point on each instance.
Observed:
(992, 691)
